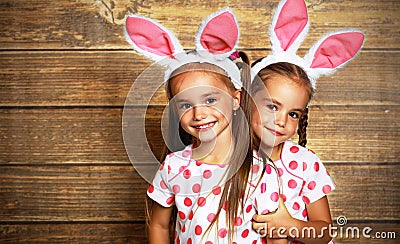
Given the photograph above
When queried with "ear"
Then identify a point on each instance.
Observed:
(218, 34)
(334, 51)
(151, 39)
(289, 26)
(236, 99)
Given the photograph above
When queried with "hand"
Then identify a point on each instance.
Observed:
(275, 224)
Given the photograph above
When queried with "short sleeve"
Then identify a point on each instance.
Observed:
(159, 190)
(318, 182)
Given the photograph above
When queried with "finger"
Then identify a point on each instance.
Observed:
(281, 202)
(260, 218)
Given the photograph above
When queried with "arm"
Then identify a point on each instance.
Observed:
(319, 220)
(158, 229)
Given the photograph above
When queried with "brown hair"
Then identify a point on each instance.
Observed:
(296, 74)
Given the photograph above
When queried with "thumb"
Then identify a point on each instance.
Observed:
(260, 218)
(281, 203)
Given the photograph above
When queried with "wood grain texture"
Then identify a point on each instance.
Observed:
(66, 70)
(94, 135)
(83, 193)
(104, 78)
(74, 233)
(98, 24)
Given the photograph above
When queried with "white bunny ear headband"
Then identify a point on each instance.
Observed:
(287, 31)
(216, 40)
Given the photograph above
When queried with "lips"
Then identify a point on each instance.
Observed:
(204, 127)
(274, 132)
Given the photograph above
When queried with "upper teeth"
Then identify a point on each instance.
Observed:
(206, 125)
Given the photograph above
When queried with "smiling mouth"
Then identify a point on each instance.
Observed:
(274, 132)
(204, 127)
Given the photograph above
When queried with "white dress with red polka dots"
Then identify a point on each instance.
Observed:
(195, 188)
(303, 177)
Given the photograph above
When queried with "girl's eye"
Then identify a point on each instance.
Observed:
(185, 106)
(294, 115)
(210, 100)
(272, 107)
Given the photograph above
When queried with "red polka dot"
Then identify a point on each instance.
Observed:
(296, 206)
(265, 211)
(201, 201)
(189, 241)
(293, 165)
(187, 202)
(170, 200)
(304, 166)
(162, 166)
(268, 169)
(198, 230)
(169, 169)
(245, 233)
(254, 242)
(181, 215)
(275, 196)
(207, 174)
(294, 149)
(238, 221)
(186, 153)
(249, 208)
(178, 241)
(304, 213)
(263, 241)
(216, 190)
(208, 242)
(263, 187)
(222, 232)
(151, 189)
(283, 197)
(190, 215)
(326, 189)
(292, 184)
(311, 185)
(210, 217)
(255, 169)
(306, 200)
(316, 166)
(184, 229)
(198, 163)
(224, 205)
(182, 168)
(176, 189)
(196, 188)
(187, 174)
(280, 171)
(163, 185)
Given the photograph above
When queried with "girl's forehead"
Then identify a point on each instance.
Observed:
(200, 81)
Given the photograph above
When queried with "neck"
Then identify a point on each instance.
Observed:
(214, 152)
(274, 153)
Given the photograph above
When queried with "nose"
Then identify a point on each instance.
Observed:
(280, 119)
(199, 113)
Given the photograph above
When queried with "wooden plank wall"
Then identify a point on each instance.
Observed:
(66, 69)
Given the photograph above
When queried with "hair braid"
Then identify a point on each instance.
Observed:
(302, 129)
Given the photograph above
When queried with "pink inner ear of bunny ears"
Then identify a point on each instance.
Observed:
(217, 39)
(149, 37)
(337, 49)
(292, 20)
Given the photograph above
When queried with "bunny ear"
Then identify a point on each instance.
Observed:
(218, 34)
(289, 26)
(151, 39)
(334, 51)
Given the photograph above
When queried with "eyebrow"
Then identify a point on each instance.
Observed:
(280, 104)
(181, 100)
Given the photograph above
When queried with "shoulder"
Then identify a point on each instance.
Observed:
(184, 154)
(294, 152)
